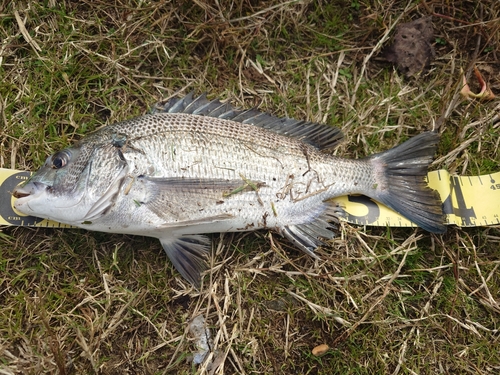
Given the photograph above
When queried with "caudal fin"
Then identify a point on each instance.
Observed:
(404, 169)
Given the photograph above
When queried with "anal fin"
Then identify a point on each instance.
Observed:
(189, 255)
(308, 236)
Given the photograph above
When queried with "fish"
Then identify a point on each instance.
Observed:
(194, 166)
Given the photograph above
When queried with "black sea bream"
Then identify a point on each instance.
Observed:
(196, 166)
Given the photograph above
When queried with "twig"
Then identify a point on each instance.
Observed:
(262, 11)
(348, 332)
(455, 101)
(375, 49)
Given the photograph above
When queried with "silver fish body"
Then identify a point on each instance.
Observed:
(197, 166)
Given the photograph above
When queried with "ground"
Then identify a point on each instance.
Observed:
(385, 300)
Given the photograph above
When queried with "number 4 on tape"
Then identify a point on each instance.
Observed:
(468, 201)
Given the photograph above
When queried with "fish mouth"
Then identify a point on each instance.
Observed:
(19, 194)
(30, 189)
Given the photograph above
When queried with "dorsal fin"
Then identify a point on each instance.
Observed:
(321, 136)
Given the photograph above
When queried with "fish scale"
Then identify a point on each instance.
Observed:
(196, 166)
(208, 157)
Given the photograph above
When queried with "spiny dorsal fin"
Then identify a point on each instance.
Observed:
(321, 136)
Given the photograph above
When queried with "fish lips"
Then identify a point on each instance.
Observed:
(31, 189)
(28, 192)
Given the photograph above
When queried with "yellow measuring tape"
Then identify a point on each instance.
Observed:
(468, 201)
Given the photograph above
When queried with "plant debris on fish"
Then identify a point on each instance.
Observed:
(196, 166)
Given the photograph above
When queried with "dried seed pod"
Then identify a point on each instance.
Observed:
(320, 350)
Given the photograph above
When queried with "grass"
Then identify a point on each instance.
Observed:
(386, 300)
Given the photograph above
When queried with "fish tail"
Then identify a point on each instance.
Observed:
(402, 172)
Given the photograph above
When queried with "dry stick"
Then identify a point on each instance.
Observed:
(425, 310)
(53, 341)
(375, 49)
(262, 11)
(348, 332)
(456, 96)
(26, 34)
(484, 285)
(455, 101)
(449, 18)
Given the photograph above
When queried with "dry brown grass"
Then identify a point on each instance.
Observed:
(386, 300)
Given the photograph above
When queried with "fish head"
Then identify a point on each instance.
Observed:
(72, 182)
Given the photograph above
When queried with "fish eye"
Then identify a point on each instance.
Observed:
(60, 159)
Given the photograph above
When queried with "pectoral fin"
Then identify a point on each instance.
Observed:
(196, 222)
(189, 255)
(179, 200)
(219, 186)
